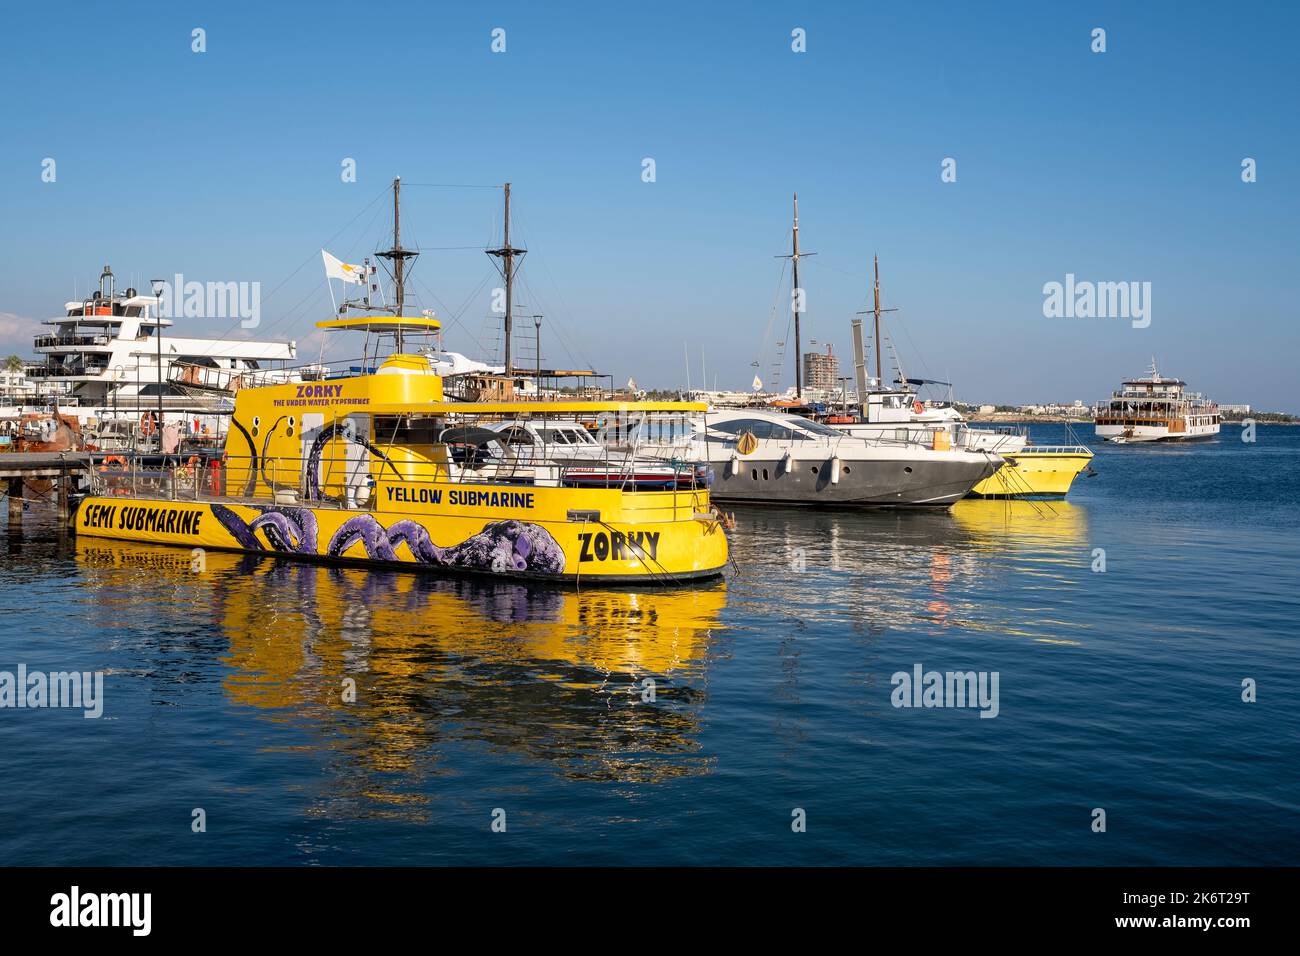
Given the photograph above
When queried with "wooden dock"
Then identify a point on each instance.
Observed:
(61, 467)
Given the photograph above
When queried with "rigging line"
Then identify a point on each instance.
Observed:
(771, 319)
(556, 324)
(447, 248)
(852, 275)
(454, 185)
(455, 316)
(561, 332)
(309, 258)
(364, 232)
(556, 331)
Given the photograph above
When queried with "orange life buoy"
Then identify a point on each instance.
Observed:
(918, 407)
(111, 460)
(148, 422)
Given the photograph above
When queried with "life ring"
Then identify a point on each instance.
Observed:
(148, 422)
(918, 406)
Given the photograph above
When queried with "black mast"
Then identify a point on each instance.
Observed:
(507, 255)
(398, 256)
(876, 310)
(796, 298)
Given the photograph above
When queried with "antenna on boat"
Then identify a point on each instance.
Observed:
(507, 255)
(796, 293)
(398, 255)
(876, 310)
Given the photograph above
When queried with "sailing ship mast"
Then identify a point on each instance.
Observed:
(398, 256)
(506, 253)
(796, 297)
(875, 311)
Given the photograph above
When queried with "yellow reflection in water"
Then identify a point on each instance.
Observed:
(390, 665)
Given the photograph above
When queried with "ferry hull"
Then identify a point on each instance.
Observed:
(1033, 475)
(543, 546)
(1147, 433)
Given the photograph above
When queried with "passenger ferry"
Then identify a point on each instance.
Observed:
(376, 468)
(1156, 409)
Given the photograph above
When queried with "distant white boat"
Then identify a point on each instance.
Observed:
(1156, 409)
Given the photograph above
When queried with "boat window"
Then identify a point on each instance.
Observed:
(817, 428)
(737, 426)
(407, 430)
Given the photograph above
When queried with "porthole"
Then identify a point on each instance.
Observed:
(814, 469)
(753, 473)
(765, 474)
(907, 470)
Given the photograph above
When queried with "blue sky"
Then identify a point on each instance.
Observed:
(1118, 166)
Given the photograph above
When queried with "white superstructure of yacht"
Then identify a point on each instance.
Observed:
(116, 355)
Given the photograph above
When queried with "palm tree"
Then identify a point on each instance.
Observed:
(14, 364)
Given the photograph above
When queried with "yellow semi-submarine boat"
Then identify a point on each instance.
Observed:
(377, 468)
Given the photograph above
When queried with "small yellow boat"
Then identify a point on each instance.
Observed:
(1035, 472)
(376, 468)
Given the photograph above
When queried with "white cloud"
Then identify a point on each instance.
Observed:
(16, 334)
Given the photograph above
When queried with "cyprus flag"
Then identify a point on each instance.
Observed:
(334, 269)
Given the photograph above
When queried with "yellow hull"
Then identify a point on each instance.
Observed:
(1029, 474)
(562, 534)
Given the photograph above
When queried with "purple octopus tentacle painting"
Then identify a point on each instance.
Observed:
(502, 546)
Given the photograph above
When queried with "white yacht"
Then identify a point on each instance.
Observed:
(114, 356)
(776, 458)
(1156, 409)
(900, 414)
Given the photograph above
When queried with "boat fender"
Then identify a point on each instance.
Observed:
(787, 463)
(835, 470)
(733, 465)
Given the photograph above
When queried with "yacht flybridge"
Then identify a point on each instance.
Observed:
(1156, 409)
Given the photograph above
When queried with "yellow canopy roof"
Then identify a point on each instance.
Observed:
(382, 323)
(522, 409)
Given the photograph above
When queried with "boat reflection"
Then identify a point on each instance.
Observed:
(933, 571)
(604, 685)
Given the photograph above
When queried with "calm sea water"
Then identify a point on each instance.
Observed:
(1119, 690)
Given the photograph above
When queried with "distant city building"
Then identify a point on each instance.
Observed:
(821, 371)
(1235, 409)
(1076, 409)
(25, 387)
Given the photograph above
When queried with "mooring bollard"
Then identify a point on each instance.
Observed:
(15, 505)
(63, 489)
